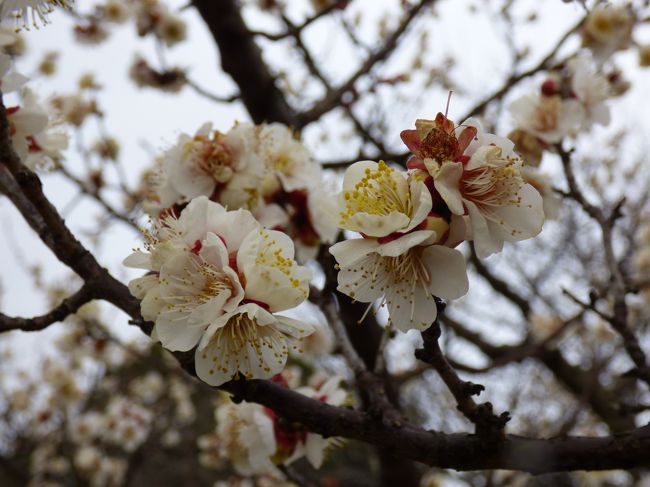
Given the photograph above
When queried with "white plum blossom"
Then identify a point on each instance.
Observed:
(247, 437)
(397, 259)
(591, 89)
(34, 134)
(500, 205)
(261, 168)
(551, 118)
(378, 200)
(406, 272)
(216, 278)
(313, 446)
(477, 175)
(196, 164)
(193, 281)
(249, 342)
(287, 157)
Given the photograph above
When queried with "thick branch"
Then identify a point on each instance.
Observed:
(242, 59)
(456, 451)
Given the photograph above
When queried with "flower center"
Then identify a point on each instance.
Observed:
(232, 343)
(407, 267)
(377, 194)
(494, 184)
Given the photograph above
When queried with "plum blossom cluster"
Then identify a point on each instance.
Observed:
(569, 101)
(607, 29)
(215, 281)
(254, 439)
(462, 184)
(36, 134)
(264, 169)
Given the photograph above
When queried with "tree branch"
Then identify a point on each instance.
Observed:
(242, 59)
(68, 306)
(333, 99)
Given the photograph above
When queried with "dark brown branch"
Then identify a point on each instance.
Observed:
(486, 422)
(67, 307)
(25, 191)
(456, 451)
(242, 59)
(295, 30)
(574, 378)
(333, 99)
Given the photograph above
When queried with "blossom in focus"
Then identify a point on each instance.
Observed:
(406, 273)
(397, 259)
(193, 281)
(378, 200)
(261, 168)
(478, 177)
(217, 278)
(248, 342)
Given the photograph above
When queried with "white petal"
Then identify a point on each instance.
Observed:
(523, 221)
(348, 252)
(140, 286)
(404, 243)
(485, 242)
(176, 337)
(447, 183)
(448, 272)
(421, 200)
(410, 306)
(364, 280)
(315, 446)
